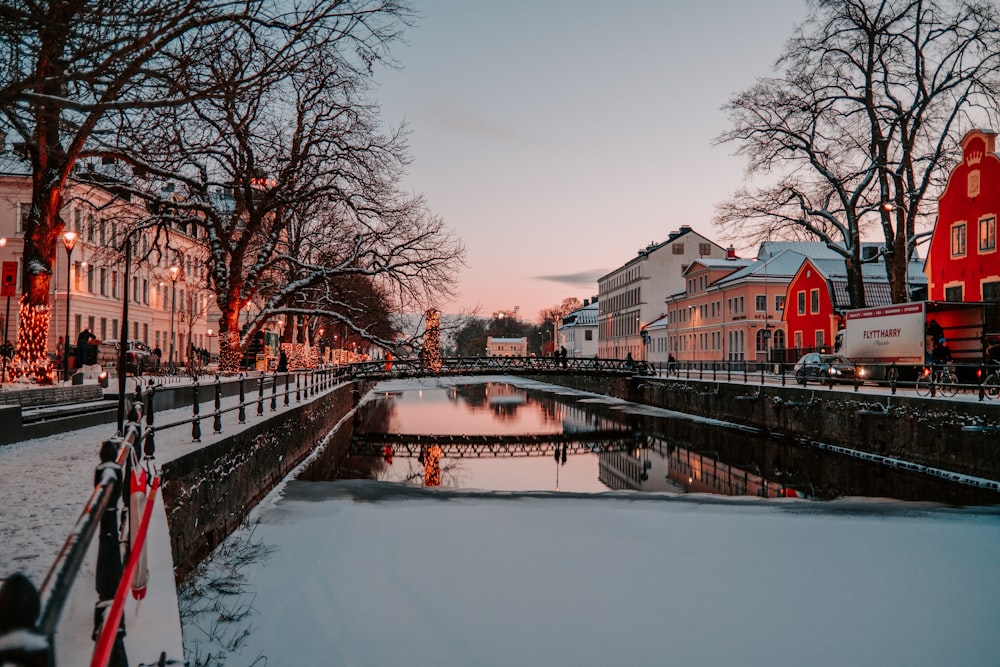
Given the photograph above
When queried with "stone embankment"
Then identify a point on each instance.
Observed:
(959, 436)
(208, 492)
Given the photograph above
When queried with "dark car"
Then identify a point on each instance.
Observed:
(137, 358)
(826, 367)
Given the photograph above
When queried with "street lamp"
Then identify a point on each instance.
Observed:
(209, 346)
(174, 271)
(7, 290)
(69, 240)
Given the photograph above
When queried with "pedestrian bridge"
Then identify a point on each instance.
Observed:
(410, 368)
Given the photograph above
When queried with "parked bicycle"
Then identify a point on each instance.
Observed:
(991, 383)
(942, 379)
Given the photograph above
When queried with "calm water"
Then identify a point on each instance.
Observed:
(609, 445)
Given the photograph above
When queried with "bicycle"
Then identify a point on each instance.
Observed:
(943, 379)
(991, 383)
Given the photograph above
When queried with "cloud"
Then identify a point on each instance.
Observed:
(579, 279)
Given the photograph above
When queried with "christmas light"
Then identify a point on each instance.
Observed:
(432, 340)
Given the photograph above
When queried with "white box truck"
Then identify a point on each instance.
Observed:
(895, 339)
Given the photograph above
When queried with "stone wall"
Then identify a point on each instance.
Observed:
(957, 436)
(209, 492)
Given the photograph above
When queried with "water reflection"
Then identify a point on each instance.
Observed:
(498, 436)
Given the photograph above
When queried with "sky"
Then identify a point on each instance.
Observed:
(556, 139)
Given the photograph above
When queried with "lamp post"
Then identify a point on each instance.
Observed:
(174, 271)
(69, 240)
(7, 290)
(209, 334)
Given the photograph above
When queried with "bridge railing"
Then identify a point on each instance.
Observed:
(413, 367)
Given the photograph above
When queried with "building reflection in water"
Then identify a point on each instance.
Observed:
(654, 453)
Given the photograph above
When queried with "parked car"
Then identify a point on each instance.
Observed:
(138, 358)
(824, 367)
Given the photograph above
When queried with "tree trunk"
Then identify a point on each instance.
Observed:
(230, 345)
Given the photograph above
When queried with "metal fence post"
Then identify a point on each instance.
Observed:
(298, 394)
(109, 559)
(260, 395)
(288, 391)
(196, 423)
(979, 378)
(243, 405)
(893, 374)
(217, 421)
(274, 392)
(150, 431)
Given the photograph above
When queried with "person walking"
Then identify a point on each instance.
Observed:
(82, 343)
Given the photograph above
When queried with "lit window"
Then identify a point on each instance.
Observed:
(988, 234)
(958, 240)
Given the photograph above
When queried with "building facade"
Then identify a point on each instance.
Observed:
(962, 261)
(506, 347)
(729, 310)
(578, 331)
(631, 296)
(90, 282)
(818, 298)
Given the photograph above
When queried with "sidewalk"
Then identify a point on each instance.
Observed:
(44, 485)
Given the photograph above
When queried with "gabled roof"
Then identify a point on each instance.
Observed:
(781, 265)
(717, 263)
(585, 316)
(876, 284)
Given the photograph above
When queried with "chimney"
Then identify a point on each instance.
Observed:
(730, 252)
(586, 302)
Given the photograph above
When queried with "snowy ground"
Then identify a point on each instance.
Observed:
(369, 573)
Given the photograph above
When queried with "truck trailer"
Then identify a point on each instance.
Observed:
(895, 341)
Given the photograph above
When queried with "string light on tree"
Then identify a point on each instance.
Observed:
(432, 340)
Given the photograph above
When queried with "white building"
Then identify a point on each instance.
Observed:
(96, 276)
(578, 331)
(506, 347)
(631, 296)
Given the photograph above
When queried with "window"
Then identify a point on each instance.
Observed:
(104, 328)
(762, 339)
(760, 303)
(704, 249)
(991, 291)
(814, 301)
(802, 304)
(588, 335)
(104, 232)
(22, 216)
(104, 281)
(78, 221)
(819, 339)
(958, 240)
(90, 279)
(779, 303)
(90, 229)
(798, 340)
(953, 293)
(678, 248)
(114, 284)
(988, 234)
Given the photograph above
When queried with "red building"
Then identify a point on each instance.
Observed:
(817, 297)
(962, 262)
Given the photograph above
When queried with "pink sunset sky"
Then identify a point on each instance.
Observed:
(557, 138)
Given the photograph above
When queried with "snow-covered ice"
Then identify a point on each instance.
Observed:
(369, 573)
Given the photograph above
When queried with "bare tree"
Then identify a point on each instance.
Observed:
(858, 131)
(73, 76)
(296, 189)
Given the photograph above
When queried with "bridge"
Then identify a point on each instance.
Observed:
(498, 446)
(412, 368)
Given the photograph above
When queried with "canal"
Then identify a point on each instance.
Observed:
(498, 523)
(495, 435)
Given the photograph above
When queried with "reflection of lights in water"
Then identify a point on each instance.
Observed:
(432, 466)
